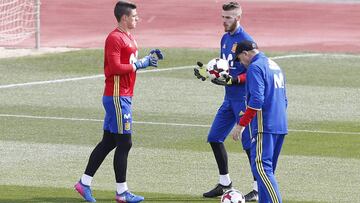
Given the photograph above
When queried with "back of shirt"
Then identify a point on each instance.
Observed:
(228, 47)
(266, 92)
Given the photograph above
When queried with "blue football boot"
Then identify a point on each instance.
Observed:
(84, 191)
(128, 197)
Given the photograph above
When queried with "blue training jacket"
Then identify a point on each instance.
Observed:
(266, 92)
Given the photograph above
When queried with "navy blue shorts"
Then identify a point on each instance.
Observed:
(118, 114)
(226, 117)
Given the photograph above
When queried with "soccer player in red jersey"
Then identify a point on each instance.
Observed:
(120, 66)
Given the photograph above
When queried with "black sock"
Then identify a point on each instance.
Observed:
(221, 157)
(99, 153)
(249, 158)
(124, 143)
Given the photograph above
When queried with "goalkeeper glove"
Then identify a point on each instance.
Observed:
(149, 60)
(158, 53)
(229, 80)
(146, 62)
(200, 71)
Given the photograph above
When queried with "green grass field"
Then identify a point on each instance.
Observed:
(48, 130)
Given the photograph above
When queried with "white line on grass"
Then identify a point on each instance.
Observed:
(85, 78)
(161, 123)
(50, 81)
(295, 56)
(158, 70)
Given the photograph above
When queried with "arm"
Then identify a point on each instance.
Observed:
(113, 48)
(229, 80)
(247, 117)
(244, 121)
(116, 68)
(256, 88)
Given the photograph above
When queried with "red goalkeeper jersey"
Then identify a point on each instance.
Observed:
(120, 53)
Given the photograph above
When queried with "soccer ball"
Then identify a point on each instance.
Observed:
(232, 196)
(217, 66)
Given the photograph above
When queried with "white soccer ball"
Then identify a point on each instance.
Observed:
(232, 196)
(217, 68)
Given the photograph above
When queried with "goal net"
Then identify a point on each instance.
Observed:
(19, 20)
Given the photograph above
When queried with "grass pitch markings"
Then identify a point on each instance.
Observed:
(161, 123)
(86, 77)
(176, 171)
(163, 69)
(50, 81)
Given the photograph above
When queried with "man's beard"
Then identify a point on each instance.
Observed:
(232, 27)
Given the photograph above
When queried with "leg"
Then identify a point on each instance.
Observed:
(96, 158)
(239, 107)
(123, 146)
(108, 142)
(99, 153)
(249, 158)
(221, 127)
(123, 127)
(262, 156)
(278, 145)
(254, 194)
(221, 157)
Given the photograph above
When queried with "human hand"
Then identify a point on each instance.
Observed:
(228, 80)
(200, 71)
(158, 53)
(146, 62)
(237, 131)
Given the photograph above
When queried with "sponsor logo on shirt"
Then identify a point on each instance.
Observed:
(127, 116)
(253, 140)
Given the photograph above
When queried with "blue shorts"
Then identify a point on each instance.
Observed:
(118, 114)
(226, 117)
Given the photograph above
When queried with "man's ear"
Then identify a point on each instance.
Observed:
(124, 18)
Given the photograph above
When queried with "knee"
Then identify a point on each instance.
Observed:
(108, 142)
(124, 142)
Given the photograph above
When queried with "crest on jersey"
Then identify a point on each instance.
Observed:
(233, 49)
(224, 46)
(127, 126)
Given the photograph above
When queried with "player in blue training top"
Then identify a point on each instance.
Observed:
(266, 110)
(234, 103)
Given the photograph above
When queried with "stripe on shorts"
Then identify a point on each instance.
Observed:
(116, 98)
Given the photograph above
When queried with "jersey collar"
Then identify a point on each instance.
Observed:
(258, 55)
(237, 31)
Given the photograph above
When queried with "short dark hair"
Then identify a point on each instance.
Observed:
(123, 8)
(231, 6)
